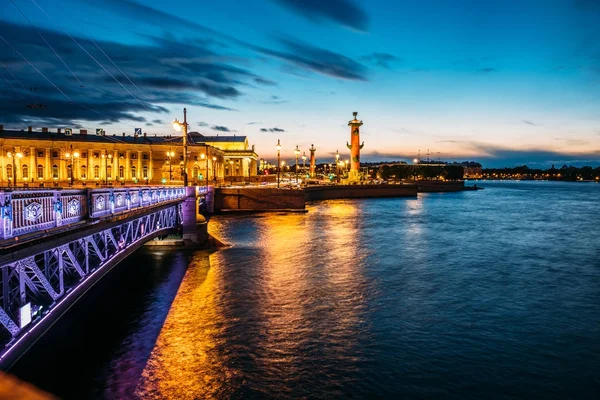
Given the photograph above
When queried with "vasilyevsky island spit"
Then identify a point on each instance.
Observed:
(76, 204)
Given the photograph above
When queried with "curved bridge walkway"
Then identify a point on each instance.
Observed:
(55, 244)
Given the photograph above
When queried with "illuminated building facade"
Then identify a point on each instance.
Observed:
(34, 158)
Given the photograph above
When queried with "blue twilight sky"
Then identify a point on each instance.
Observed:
(502, 82)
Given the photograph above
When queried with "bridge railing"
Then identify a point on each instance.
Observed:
(27, 211)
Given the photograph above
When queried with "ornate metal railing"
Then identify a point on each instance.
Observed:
(28, 211)
(33, 284)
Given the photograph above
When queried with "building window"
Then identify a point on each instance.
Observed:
(133, 173)
(144, 156)
(25, 171)
(40, 154)
(96, 172)
(133, 156)
(121, 155)
(145, 172)
(9, 172)
(109, 172)
(84, 155)
(195, 172)
(96, 155)
(55, 171)
(83, 172)
(121, 172)
(55, 154)
(40, 172)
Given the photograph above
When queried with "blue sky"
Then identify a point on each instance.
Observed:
(501, 82)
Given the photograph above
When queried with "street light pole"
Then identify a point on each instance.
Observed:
(297, 153)
(214, 166)
(337, 166)
(14, 155)
(278, 161)
(170, 155)
(178, 126)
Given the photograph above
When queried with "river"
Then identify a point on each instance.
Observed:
(490, 294)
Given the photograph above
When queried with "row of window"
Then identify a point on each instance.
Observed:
(82, 170)
(132, 156)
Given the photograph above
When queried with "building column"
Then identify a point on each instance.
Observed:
(127, 164)
(140, 176)
(150, 167)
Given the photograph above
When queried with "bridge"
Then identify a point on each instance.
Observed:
(55, 244)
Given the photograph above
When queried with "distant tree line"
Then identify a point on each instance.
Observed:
(419, 171)
(565, 173)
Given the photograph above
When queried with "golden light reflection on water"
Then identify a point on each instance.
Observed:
(295, 308)
(185, 363)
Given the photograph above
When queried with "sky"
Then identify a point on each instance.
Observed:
(501, 82)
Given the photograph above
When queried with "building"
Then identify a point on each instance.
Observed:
(42, 158)
(472, 169)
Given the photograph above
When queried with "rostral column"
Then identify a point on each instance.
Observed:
(355, 148)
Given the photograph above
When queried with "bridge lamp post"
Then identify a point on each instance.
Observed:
(278, 147)
(179, 126)
(106, 157)
(170, 155)
(297, 153)
(72, 155)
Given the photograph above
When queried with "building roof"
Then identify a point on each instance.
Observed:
(196, 138)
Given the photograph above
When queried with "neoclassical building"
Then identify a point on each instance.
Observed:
(43, 158)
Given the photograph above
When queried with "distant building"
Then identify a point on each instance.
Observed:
(36, 158)
(472, 169)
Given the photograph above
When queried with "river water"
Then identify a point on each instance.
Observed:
(480, 295)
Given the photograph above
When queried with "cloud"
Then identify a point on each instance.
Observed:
(316, 59)
(272, 130)
(164, 72)
(525, 121)
(264, 81)
(344, 12)
(202, 123)
(383, 60)
(221, 128)
(487, 70)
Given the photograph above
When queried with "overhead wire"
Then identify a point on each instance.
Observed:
(52, 83)
(102, 66)
(48, 44)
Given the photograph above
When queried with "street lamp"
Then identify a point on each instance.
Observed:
(170, 155)
(304, 162)
(297, 153)
(214, 164)
(14, 155)
(278, 147)
(106, 157)
(72, 154)
(178, 126)
(337, 166)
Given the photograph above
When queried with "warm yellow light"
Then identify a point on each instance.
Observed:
(19, 155)
(297, 151)
(214, 158)
(282, 163)
(203, 156)
(67, 155)
(347, 161)
(416, 161)
(76, 155)
(110, 156)
(177, 125)
(278, 147)
(9, 154)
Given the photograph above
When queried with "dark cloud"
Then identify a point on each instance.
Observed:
(383, 60)
(343, 12)
(221, 128)
(316, 59)
(272, 130)
(264, 81)
(202, 123)
(525, 121)
(166, 72)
